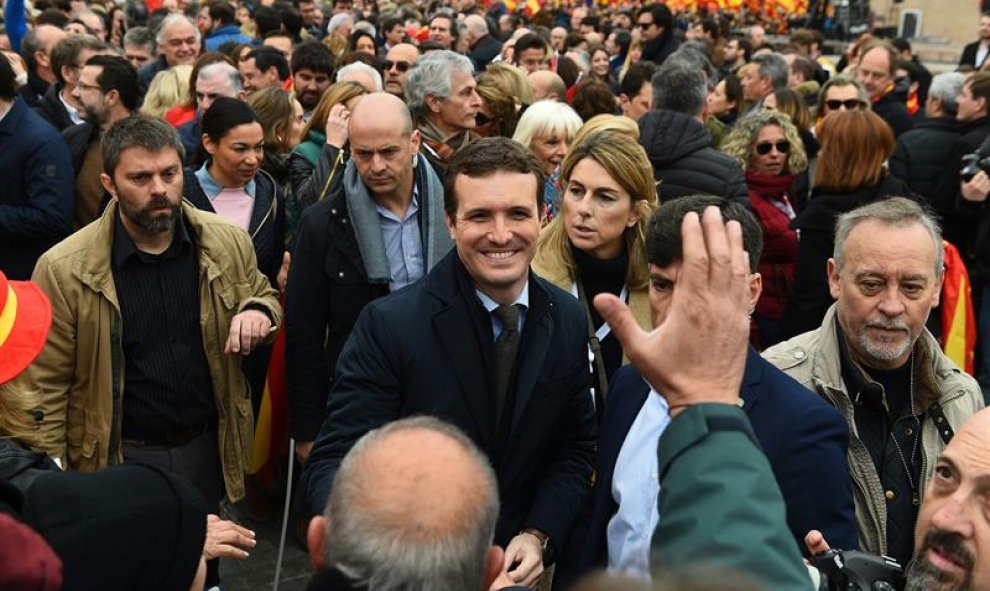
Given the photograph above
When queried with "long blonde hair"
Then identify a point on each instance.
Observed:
(169, 88)
(627, 164)
(339, 92)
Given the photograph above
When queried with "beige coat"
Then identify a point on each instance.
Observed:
(813, 359)
(79, 376)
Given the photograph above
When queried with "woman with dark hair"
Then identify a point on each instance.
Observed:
(769, 149)
(593, 97)
(232, 184)
(364, 42)
(851, 171)
(601, 69)
(725, 101)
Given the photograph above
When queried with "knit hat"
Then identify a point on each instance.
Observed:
(27, 563)
(131, 527)
(25, 316)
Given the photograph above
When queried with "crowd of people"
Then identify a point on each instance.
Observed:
(589, 290)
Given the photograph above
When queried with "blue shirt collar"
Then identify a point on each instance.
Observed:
(491, 304)
(212, 188)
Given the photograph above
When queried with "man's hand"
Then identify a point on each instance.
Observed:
(698, 354)
(977, 188)
(815, 542)
(302, 450)
(247, 330)
(336, 128)
(283, 272)
(226, 539)
(523, 560)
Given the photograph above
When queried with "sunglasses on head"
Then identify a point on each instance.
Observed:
(763, 148)
(850, 104)
(401, 66)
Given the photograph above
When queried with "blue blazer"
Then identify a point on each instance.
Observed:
(803, 437)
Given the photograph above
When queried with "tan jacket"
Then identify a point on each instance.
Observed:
(813, 358)
(79, 376)
(639, 300)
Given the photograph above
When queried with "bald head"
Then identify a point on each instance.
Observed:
(547, 85)
(414, 505)
(380, 110)
(397, 63)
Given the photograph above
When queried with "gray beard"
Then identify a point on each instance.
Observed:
(922, 576)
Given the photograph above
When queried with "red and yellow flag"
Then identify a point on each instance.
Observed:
(958, 318)
(271, 430)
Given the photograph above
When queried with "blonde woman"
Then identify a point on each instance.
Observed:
(169, 88)
(597, 242)
(546, 129)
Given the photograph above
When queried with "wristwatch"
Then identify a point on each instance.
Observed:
(545, 544)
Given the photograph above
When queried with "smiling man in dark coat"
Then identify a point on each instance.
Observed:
(484, 344)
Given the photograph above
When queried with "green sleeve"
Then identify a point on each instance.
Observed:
(719, 502)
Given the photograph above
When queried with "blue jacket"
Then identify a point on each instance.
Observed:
(224, 34)
(429, 349)
(802, 436)
(36, 202)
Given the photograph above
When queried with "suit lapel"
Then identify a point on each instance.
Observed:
(750, 392)
(534, 348)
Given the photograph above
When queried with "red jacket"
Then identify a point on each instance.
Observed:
(768, 197)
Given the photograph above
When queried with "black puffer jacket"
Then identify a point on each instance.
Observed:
(684, 161)
(924, 153)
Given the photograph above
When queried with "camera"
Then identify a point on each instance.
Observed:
(857, 571)
(974, 163)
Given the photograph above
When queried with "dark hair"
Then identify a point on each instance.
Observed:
(979, 86)
(636, 76)
(8, 82)
(118, 74)
(221, 11)
(901, 44)
(141, 37)
(805, 66)
(52, 16)
(139, 131)
(358, 34)
(292, 19)
(572, 40)
(225, 114)
(454, 30)
(593, 97)
(681, 89)
(266, 20)
(66, 52)
(734, 93)
(313, 55)
(592, 21)
(623, 39)
(660, 13)
(266, 58)
(663, 236)
(711, 27)
(746, 47)
(530, 41)
(390, 23)
(486, 156)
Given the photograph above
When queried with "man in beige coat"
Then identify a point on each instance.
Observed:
(154, 303)
(873, 359)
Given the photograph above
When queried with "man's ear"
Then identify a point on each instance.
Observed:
(107, 183)
(755, 289)
(433, 103)
(316, 542)
(834, 287)
(493, 566)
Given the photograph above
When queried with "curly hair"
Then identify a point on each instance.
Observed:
(739, 142)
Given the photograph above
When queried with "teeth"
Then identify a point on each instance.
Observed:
(499, 255)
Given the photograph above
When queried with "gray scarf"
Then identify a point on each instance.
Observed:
(367, 229)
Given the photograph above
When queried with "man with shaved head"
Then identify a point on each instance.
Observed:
(398, 60)
(400, 489)
(378, 229)
(547, 85)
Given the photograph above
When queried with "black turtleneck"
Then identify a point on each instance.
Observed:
(603, 276)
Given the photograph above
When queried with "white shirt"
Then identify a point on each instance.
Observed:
(72, 111)
(981, 53)
(636, 489)
(491, 304)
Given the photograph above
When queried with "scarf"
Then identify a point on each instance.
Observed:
(443, 146)
(367, 229)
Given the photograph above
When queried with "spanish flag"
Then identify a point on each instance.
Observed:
(958, 318)
(271, 432)
(530, 7)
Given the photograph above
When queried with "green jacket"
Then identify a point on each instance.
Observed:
(719, 502)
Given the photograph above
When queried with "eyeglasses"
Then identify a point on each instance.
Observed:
(482, 119)
(402, 67)
(849, 104)
(644, 26)
(763, 148)
(86, 87)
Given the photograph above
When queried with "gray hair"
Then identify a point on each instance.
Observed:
(474, 23)
(217, 69)
(680, 88)
(170, 20)
(947, 87)
(366, 27)
(691, 55)
(141, 37)
(896, 211)
(138, 131)
(339, 20)
(360, 67)
(432, 75)
(385, 557)
(774, 67)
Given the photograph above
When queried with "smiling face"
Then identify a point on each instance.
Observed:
(495, 229)
(952, 546)
(550, 149)
(599, 63)
(774, 161)
(238, 154)
(179, 44)
(597, 210)
(885, 291)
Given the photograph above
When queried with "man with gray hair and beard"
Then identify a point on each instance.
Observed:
(413, 506)
(874, 360)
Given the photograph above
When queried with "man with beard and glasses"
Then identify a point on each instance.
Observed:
(874, 360)
(155, 304)
(108, 91)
